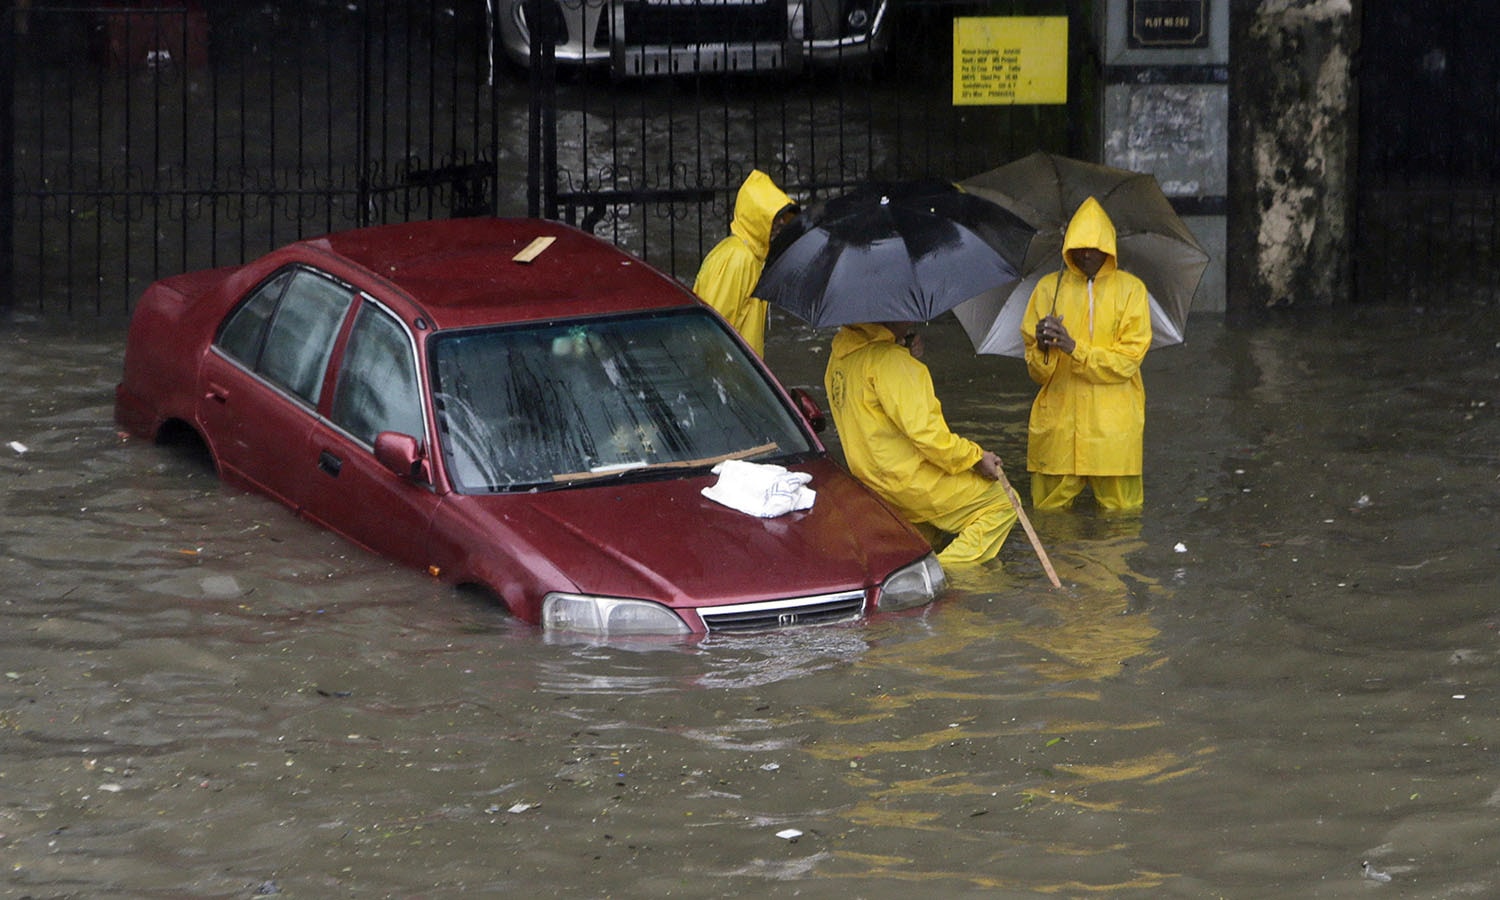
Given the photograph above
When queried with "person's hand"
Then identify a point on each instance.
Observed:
(914, 343)
(1050, 333)
(988, 466)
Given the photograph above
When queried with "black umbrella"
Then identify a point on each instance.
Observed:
(892, 252)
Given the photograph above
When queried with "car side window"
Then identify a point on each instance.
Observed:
(301, 334)
(243, 332)
(377, 388)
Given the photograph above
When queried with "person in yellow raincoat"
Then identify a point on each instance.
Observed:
(896, 441)
(1086, 331)
(729, 272)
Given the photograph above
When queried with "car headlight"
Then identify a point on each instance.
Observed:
(913, 585)
(608, 615)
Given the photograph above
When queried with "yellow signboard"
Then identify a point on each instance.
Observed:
(1003, 60)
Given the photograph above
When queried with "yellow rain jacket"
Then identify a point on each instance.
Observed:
(892, 428)
(731, 269)
(1090, 414)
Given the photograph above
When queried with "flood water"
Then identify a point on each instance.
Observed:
(1284, 668)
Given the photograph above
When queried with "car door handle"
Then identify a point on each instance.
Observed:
(216, 393)
(330, 463)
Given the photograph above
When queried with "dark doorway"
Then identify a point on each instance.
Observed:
(1429, 161)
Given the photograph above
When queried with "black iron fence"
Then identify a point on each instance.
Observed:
(654, 163)
(1429, 154)
(139, 138)
(153, 138)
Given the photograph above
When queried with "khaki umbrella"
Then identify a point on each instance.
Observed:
(1044, 190)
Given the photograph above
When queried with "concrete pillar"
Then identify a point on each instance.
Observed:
(1291, 153)
(1166, 111)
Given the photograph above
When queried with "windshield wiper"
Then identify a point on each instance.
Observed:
(629, 470)
(643, 471)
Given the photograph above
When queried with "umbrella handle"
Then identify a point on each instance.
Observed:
(1036, 542)
(1045, 353)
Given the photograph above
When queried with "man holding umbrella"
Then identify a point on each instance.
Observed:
(729, 272)
(1086, 331)
(896, 441)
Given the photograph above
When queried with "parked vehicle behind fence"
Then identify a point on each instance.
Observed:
(639, 38)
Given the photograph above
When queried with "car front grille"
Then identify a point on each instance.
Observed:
(794, 612)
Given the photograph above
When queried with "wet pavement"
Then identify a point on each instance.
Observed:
(1283, 670)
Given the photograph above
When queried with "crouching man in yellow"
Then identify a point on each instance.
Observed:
(1089, 416)
(896, 441)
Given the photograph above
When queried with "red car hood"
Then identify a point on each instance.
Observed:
(663, 540)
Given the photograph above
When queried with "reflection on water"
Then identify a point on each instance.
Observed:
(714, 662)
(1101, 620)
(1281, 669)
(994, 710)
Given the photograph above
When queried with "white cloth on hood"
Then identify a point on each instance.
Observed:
(760, 489)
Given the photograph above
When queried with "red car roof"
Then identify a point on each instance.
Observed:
(465, 271)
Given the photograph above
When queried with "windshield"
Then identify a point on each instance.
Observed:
(549, 404)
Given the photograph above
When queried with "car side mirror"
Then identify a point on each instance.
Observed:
(810, 410)
(401, 454)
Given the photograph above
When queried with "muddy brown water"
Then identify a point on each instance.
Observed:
(1283, 669)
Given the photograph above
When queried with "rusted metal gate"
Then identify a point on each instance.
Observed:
(1429, 153)
(140, 138)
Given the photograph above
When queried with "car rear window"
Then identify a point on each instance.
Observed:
(560, 403)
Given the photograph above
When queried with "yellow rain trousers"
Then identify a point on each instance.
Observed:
(896, 441)
(1089, 416)
(731, 269)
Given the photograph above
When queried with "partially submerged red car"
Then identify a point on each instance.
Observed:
(516, 405)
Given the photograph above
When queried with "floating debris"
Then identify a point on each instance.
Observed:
(220, 586)
(789, 835)
(1372, 873)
